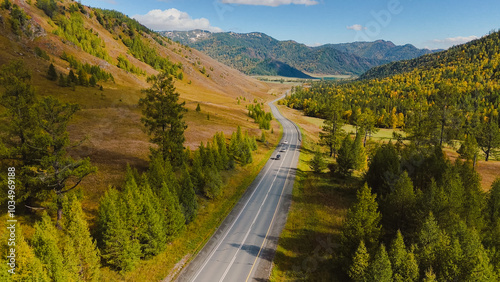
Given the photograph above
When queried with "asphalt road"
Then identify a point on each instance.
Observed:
(243, 247)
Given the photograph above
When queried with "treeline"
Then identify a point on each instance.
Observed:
(457, 99)
(260, 116)
(420, 217)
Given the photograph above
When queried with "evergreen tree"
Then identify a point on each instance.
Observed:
(488, 137)
(359, 151)
(223, 153)
(51, 73)
(404, 264)
(361, 224)
(429, 276)
(384, 169)
(152, 238)
(318, 163)
(400, 206)
(197, 173)
(118, 248)
(380, 268)
(72, 79)
(213, 182)
(360, 263)
(198, 108)
(163, 118)
(187, 197)
(86, 252)
(174, 219)
(366, 122)
(246, 152)
(62, 81)
(346, 159)
(469, 150)
(332, 128)
(492, 240)
(45, 245)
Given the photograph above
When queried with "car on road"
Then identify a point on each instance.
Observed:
(286, 141)
(278, 157)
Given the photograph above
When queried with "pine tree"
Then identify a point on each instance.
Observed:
(469, 150)
(51, 73)
(358, 271)
(197, 173)
(163, 118)
(361, 224)
(187, 197)
(380, 268)
(118, 248)
(223, 153)
(198, 108)
(174, 219)
(45, 245)
(133, 208)
(85, 248)
(72, 79)
(213, 182)
(346, 159)
(332, 128)
(404, 264)
(488, 137)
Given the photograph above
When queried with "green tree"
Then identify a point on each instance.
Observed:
(187, 197)
(45, 245)
(198, 108)
(346, 159)
(118, 248)
(404, 264)
(152, 238)
(318, 163)
(366, 123)
(430, 276)
(174, 219)
(332, 127)
(362, 223)
(384, 169)
(223, 151)
(358, 271)
(163, 118)
(488, 137)
(86, 252)
(359, 151)
(51, 73)
(469, 149)
(213, 182)
(380, 268)
(400, 206)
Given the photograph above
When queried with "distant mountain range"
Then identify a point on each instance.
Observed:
(259, 54)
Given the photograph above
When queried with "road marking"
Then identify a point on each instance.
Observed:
(253, 222)
(234, 221)
(272, 220)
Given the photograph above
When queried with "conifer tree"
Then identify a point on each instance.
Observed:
(400, 206)
(72, 79)
(197, 173)
(469, 149)
(430, 276)
(118, 248)
(359, 151)
(86, 252)
(45, 245)
(51, 73)
(384, 169)
(361, 224)
(332, 128)
(198, 108)
(133, 208)
(163, 118)
(223, 153)
(380, 268)
(360, 263)
(152, 238)
(488, 137)
(213, 182)
(346, 159)
(187, 197)
(174, 219)
(245, 152)
(404, 264)
(318, 163)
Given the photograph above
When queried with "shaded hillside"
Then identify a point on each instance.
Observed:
(380, 50)
(246, 51)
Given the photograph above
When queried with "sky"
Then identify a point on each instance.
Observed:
(433, 24)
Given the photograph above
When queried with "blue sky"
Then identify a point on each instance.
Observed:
(423, 23)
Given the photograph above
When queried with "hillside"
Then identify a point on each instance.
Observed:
(247, 51)
(126, 53)
(380, 50)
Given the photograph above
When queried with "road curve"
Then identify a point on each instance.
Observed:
(243, 247)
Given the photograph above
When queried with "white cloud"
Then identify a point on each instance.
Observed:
(173, 19)
(451, 41)
(272, 3)
(356, 27)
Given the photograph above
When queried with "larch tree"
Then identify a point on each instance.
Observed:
(380, 268)
(358, 271)
(332, 127)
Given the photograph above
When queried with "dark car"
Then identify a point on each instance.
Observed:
(278, 157)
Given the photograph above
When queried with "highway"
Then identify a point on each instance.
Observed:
(243, 247)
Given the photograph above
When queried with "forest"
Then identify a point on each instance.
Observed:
(419, 216)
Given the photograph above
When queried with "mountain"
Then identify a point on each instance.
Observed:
(245, 51)
(112, 57)
(380, 50)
